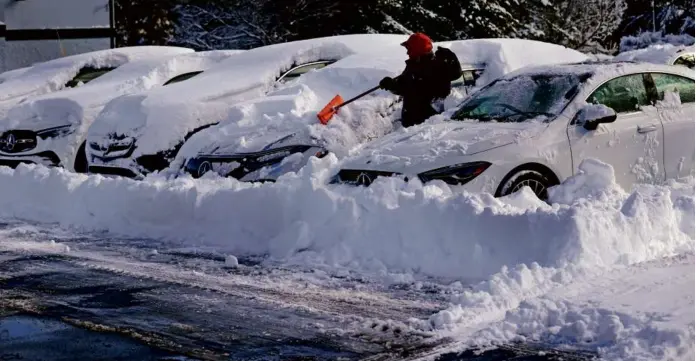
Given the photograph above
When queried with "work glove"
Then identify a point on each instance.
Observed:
(386, 83)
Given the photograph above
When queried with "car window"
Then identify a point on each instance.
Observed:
(686, 60)
(675, 83)
(298, 71)
(526, 97)
(468, 78)
(623, 94)
(86, 75)
(182, 77)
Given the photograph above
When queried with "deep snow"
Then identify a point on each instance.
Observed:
(530, 263)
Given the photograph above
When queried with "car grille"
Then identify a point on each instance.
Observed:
(17, 141)
(360, 177)
(123, 172)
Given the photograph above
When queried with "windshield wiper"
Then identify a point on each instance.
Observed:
(522, 112)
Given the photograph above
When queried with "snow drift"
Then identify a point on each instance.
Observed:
(389, 227)
(534, 261)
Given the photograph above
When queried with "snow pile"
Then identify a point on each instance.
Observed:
(391, 226)
(546, 273)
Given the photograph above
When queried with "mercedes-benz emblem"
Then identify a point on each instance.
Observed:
(204, 168)
(10, 142)
(364, 179)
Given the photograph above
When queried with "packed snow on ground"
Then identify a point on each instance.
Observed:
(161, 118)
(539, 272)
(291, 109)
(657, 54)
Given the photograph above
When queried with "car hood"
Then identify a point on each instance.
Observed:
(430, 146)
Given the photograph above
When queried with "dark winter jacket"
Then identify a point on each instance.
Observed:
(420, 84)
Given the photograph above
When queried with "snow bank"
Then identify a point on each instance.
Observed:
(388, 227)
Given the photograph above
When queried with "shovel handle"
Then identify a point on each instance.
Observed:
(356, 98)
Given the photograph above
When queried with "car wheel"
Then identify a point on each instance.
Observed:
(81, 159)
(536, 181)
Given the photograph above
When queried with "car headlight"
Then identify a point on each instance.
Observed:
(457, 174)
(55, 132)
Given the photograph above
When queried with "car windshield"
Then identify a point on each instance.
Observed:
(522, 98)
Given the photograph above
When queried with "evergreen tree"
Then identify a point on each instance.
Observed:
(144, 22)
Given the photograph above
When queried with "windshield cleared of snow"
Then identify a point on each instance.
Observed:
(521, 98)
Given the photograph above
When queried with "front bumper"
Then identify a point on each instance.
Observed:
(47, 158)
(254, 167)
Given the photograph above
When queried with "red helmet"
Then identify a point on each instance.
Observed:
(418, 44)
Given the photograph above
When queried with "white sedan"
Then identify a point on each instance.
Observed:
(533, 127)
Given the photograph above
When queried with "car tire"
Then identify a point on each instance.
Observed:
(538, 183)
(81, 159)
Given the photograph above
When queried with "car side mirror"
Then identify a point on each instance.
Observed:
(592, 115)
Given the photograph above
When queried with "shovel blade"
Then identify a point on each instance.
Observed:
(329, 110)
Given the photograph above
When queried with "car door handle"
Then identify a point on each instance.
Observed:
(647, 128)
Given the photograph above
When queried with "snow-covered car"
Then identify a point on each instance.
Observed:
(661, 54)
(50, 129)
(533, 127)
(68, 72)
(267, 149)
(140, 134)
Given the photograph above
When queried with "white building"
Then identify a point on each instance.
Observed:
(40, 30)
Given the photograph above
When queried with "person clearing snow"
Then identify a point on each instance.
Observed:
(426, 80)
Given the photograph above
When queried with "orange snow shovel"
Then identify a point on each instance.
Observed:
(336, 103)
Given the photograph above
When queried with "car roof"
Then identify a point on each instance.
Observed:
(603, 68)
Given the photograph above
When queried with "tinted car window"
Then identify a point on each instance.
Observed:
(522, 98)
(86, 75)
(686, 60)
(623, 94)
(301, 70)
(468, 78)
(182, 77)
(675, 83)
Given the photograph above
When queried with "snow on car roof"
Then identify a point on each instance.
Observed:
(52, 75)
(254, 124)
(171, 112)
(502, 56)
(602, 68)
(84, 102)
(657, 54)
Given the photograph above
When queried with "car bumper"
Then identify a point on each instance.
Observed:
(250, 167)
(487, 181)
(123, 167)
(46, 158)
